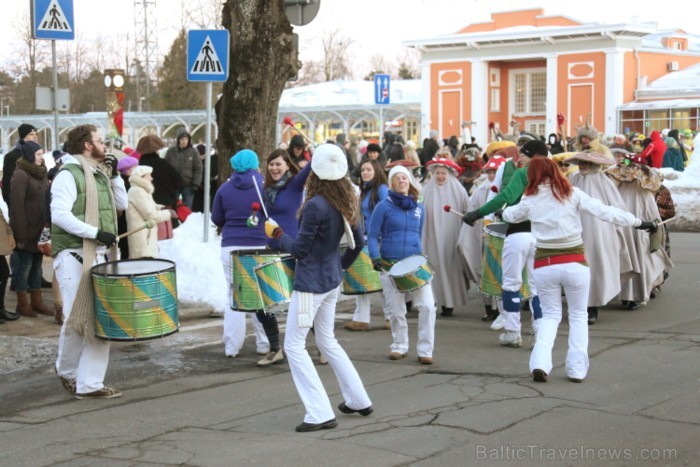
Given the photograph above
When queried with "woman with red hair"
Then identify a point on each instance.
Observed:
(553, 207)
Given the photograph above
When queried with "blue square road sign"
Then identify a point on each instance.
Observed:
(382, 85)
(53, 19)
(207, 55)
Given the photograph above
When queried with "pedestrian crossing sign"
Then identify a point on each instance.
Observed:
(53, 19)
(207, 55)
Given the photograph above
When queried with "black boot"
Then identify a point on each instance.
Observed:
(446, 311)
(490, 314)
(632, 305)
(409, 306)
(592, 315)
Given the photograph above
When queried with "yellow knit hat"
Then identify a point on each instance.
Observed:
(496, 145)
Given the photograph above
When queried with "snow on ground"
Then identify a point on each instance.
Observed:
(685, 190)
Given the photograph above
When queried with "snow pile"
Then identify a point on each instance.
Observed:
(200, 274)
(685, 190)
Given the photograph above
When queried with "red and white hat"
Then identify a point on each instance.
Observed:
(443, 162)
(493, 163)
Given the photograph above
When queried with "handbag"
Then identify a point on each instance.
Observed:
(165, 230)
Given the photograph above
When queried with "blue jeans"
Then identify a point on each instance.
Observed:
(188, 195)
(28, 274)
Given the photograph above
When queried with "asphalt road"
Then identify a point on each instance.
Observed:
(185, 404)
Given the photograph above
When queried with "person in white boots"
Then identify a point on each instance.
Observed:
(553, 207)
(518, 246)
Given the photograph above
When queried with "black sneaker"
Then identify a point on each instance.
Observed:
(306, 427)
(347, 410)
(539, 376)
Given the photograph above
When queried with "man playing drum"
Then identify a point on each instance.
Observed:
(518, 246)
(85, 195)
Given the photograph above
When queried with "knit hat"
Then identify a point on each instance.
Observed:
(24, 129)
(329, 162)
(398, 169)
(496, 145)
(28, 150)
(534, 148)
(245, 160)
(149, 144)
(373, 147)
(126, 163)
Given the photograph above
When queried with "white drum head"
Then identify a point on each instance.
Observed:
(407, 265)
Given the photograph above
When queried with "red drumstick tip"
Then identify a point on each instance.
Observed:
(494, 188)
(255, 206)
(447, 208)
(288, 121)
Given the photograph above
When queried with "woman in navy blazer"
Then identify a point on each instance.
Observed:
(329, 210)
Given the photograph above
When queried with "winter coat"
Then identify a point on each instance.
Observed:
(395, 233)
(166, 180)
(654, 152)
(141, 209)
(185, 160)
(5, 234)
(28, 213)
(232, 208)
(8, 169)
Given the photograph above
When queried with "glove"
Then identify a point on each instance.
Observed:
(377, 265)
(306, 305)
(498, 213)
(173, 213)
(649, 226)
(471, 217)
(272, 229)
(111, 162)
(106, 238)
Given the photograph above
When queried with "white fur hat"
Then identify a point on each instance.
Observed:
(329, 162)
(140, 171)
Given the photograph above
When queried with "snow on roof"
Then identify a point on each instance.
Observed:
(687, 78)
(655, 40)
(349, 93)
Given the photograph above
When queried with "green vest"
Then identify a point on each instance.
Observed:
(60, 239)
(508, 171)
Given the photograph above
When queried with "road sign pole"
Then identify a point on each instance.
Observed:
(381, 122)
(207, 164)
(54, 78)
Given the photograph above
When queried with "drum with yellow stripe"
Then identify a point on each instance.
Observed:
(275, 281)
(361, 278)
(135, 299)
(245, 290)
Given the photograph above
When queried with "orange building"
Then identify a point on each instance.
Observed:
(526, 67)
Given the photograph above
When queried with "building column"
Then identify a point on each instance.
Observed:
(614, 89)
(425, 123)
(551, 107)
(480, 101)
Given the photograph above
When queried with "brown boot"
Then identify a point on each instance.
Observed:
(23, 306)
(59, 313)
(38, 303)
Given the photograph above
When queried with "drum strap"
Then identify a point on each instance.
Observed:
(77, 257)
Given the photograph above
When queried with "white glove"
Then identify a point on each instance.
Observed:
(304, 312)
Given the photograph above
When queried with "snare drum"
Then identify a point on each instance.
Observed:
(135, 299)
(275, 280)
(491, 261)
(245, 292)
(411, 273)
(361, 278)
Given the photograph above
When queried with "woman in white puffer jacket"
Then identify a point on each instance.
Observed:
(141, 209)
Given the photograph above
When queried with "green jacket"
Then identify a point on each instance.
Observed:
(509, 196)
(60, 239)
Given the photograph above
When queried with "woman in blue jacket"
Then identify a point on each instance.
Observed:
(230, 212)
(395, 234)
(327, 213)
(373, 190)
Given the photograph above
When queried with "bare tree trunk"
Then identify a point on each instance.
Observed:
(260, 63)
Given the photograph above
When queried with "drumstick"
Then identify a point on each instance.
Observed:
(448, 208)
(667, 220)
(262, 203)
(148, 225)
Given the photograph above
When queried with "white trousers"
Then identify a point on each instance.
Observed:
(518, 254)
(309, 386)
(362, 308)
(575, 278)
(81, 358)
(235, 321)
(424, 301)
